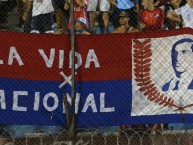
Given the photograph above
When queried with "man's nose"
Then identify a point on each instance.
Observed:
(179, 57)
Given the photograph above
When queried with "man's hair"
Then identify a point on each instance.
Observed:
(188, 40)
(174, 56)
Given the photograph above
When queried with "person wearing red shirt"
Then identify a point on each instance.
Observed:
(80, 7)
(151, 18)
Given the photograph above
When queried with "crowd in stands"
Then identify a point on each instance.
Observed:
(100, 17)
(5, 7)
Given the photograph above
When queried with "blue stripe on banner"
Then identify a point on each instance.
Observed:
(32, 102)
(21, 107)
(35, 103)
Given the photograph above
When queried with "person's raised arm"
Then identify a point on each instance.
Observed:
(27, 10)
(81, 3)
(113, 2)
(172, 15)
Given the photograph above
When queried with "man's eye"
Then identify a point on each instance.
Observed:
(184, 51)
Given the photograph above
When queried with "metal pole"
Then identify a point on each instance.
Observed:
(73, 69)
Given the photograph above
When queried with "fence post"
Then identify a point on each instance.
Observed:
(72, 32)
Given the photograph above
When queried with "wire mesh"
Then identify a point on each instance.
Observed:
(88, 137)
(107, 17)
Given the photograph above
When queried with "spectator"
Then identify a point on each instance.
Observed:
(170, 6)
(131, 7)
(41, 15)
(186, 12)
(79, 11)
(151, 18)
(80, 26)
(5, 7)
(124, 24)
(104, 8)
(20, 6)
(61, 16)
(27, 22)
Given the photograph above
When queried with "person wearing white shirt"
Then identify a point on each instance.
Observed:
(186, 12)
(42, 15)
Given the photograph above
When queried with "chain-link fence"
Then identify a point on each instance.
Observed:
(147, 72)
(95, 17)
(96, 137)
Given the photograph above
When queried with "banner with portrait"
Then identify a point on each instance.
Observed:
(140, 79)
(162, 77)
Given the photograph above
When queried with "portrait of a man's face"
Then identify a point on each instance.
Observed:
(182, 56)
(171, 72)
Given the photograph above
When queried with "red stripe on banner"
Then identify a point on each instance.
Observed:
(20, 57)
(114, 57)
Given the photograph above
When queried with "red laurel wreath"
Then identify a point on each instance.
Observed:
(142, 62)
